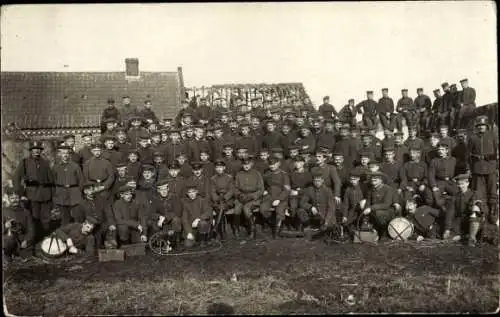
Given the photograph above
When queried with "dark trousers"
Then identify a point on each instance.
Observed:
(411, 118)
(68, 215)
(267, 205)
(370, 120)
(388, 122)
(485, 185)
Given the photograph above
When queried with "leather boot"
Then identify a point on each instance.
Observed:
(203, 239)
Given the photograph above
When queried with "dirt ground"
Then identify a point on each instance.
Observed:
(285, 276)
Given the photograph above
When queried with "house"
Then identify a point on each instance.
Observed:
(47, 105)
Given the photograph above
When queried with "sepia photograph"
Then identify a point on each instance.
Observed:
(252, 158)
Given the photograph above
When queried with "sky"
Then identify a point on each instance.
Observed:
(335, 49)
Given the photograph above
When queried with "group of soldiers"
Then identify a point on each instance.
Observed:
(259, 166)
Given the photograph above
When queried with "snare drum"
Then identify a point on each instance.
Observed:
(53, 247)
(400, 228)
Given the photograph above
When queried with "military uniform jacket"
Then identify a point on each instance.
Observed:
(119, 182)
(167, 207)
(249, 183)
(198, 208)
(483, 152)
(202, 183)
(233, 166)
(347, 114)
(307, 143)
(462, 154)
(277, 184)
(149, 114)
(463, 202)
(423, 102)
(401, 153)
(208, 168)
(123, 149)
(447, 102)
(405, 104)
(217, 145)
(424, 218)
(380, 198)
(172, 150)
(327, 110)
(111, 112)
(145, 155)
(417, 143)
(468, 96)
(441, 169)
(204, 113)
(321, 198)
(22, 221)
(161, 171)
(195, 147)
(37, 177)
(85, 154)
(429, 154)
(261, 166)
(68, 180)
(134, 133)
(415, 172)
(222, 187)
(113, 156)
(300, 180)
(134, 170)
(249, 142)
(347, 147)
(438, 105)
(326, 139)
(331, 178)
(88, 208)
(385, 105)
(271, 140)
(391, 170)
(369, 107)
(176, 185)
(352, 197)
(100, 171)
(128, 214)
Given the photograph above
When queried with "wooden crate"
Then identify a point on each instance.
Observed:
(106, 255)
(138, 249)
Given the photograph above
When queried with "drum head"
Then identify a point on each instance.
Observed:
(53, 247)
(400, 228)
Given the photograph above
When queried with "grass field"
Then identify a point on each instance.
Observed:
(285, 276)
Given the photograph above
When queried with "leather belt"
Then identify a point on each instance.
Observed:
(36, 184)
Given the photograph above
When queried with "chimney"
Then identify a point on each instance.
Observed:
(132, 67)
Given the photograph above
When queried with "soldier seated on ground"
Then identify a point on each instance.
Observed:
(222, 191)
(78, 236)
(317, 206)
(196, 216)
(18, 230)
(353, 195)
(128, 218)
(424, 220)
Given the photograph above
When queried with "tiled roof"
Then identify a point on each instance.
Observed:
(75, 99)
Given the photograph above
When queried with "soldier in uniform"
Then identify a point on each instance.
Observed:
(423, 104)
(431, 151)
(68, 181)
(208, 166)
(129, 219)
(379, 203)
(413, 179)
(136, 130)
(202, 182)
(122, 177)
(277, 187)
(346, 146)
(69, 140)
(464, 213)
(461, 153)
(196, 216)
(406, 109)
(110, 112)
(447, 103)
(306, 140)
(159, 165)
(222, 190)
(444, 137)
(413, 140)
(35, 174)
(127, 111)
(271, 138)
(483, 161)
(326, 109)
(353, 195)
(122, 144)
(197, 144)
(175, 146)
(467, 103)
(110, 153)
(348, 113)
(18, 229)
(369, 107)
(441, 171)
(84, 153)
(247, 140)
(390, 167)
(249, 187)
(439, 112)
(424, 220)
(385, 109)
(99, 171)
(300, 179)
(78, 236)
(166, 213)
(317, 204)
(367, 144)
(144, 149)
(110, 128)
(134, 166)
(148, 114)
(455, 106)
(330, 175)
(327, 137)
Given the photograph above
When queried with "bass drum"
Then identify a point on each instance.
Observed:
(53, 247)
(400, 228)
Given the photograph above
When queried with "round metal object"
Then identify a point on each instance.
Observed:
(400, 228)
(160, 244)
(53, 247)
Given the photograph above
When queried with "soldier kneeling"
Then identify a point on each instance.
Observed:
(78, 236)
(18, 226)
(166, 213)
(196, 216)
